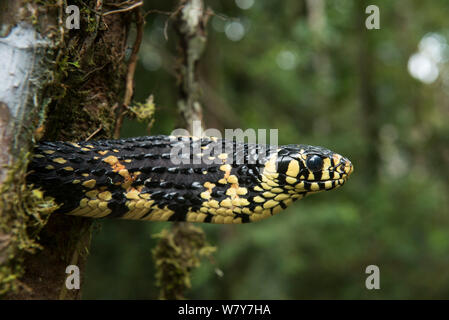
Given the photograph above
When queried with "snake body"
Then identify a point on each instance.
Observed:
(173, 178)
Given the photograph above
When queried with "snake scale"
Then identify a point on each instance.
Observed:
(212, 180)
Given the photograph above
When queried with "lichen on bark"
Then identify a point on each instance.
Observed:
(178, 252)
(18, 234)
(84, 79)
(23, 212)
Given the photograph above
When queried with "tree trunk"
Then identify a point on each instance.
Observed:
(61, 84)
(181, 248)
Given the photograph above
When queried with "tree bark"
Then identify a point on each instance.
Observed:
(62, 85)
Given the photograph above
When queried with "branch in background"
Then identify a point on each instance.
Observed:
(191, 27)
(130, 73)
(178, 250)
(215, 105)
(131, 7)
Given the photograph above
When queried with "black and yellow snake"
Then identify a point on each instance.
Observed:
(217, 181)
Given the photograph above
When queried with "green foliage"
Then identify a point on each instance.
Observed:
(394, 210)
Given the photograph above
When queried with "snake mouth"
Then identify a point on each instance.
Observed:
(320, 185)
(344, 169)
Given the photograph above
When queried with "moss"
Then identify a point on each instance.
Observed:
(18, 233)
(73, 86)
(143, 112)
(24, 211)
(73, 103)
(82, 68)
(178, 252)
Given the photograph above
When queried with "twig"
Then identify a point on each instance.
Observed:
(118, 5)
(133, 59)
(168, 13)
(138, 4)
(130, 74)
(174, 13)
(171, 15)
(61, 4)
(93, 71)
(222, 16)
(95, 132)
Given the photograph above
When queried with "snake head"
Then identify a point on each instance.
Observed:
(307, 169)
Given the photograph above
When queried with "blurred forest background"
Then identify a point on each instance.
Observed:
(311, 69)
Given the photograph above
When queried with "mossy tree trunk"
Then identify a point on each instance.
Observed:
(60, 84)
(181, 248)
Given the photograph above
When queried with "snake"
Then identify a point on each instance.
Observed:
(182, 178)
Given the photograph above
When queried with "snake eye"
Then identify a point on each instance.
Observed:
(314, 163)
